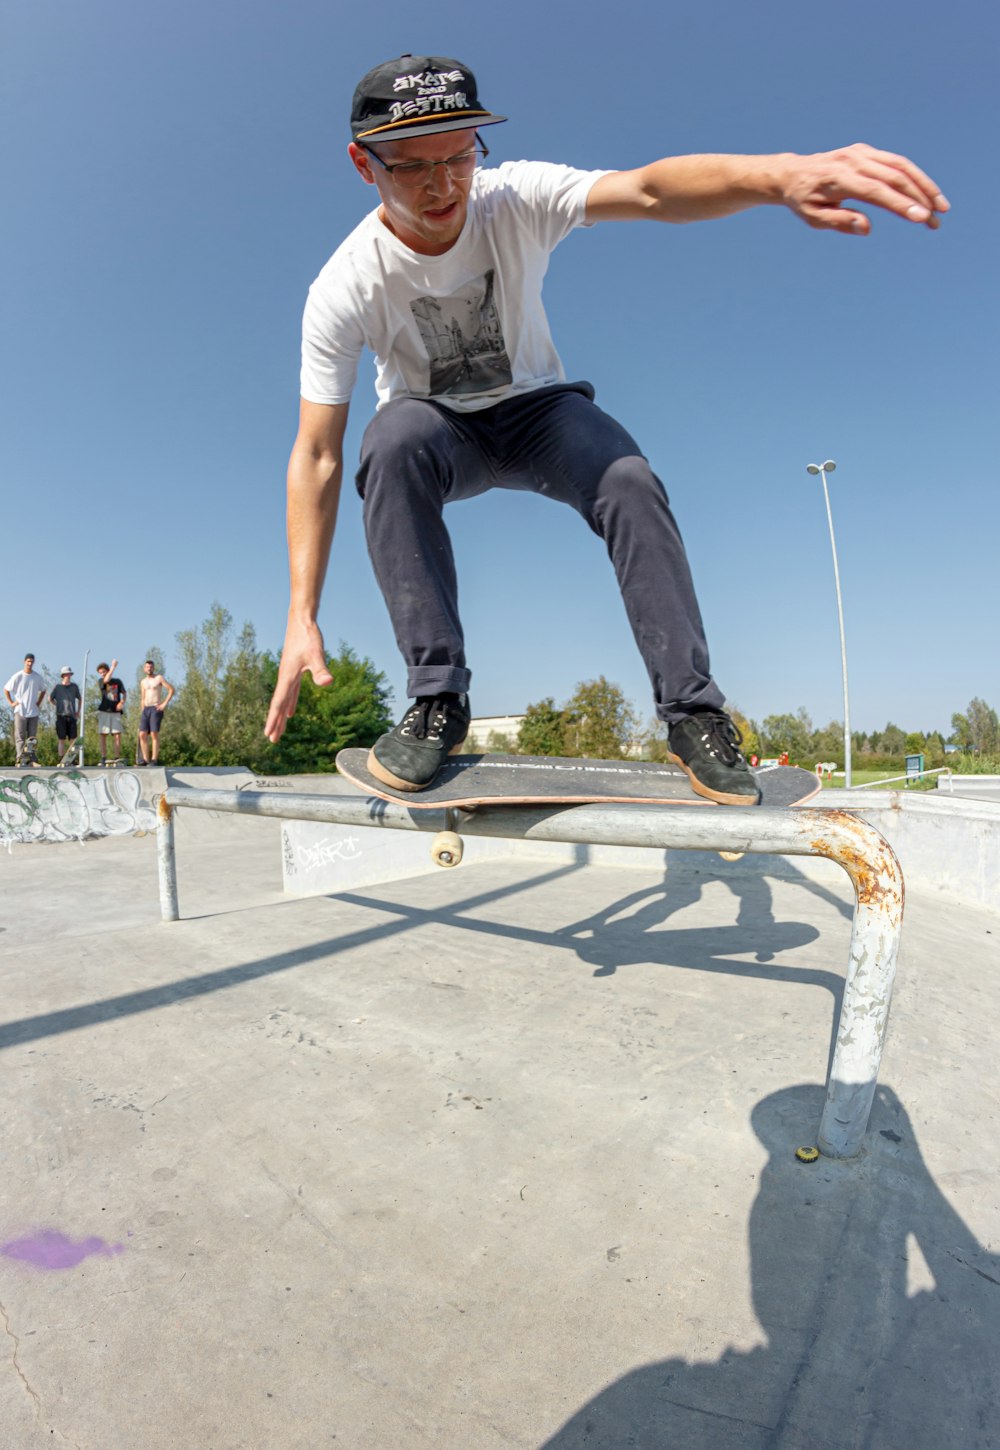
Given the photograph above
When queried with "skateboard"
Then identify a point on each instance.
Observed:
(73, 751)
(471, 782)
(28, 754)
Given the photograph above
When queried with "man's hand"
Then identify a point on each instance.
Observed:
(815, 188)
(700, 188)
(303, 650)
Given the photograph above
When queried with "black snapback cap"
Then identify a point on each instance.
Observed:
(417, 95)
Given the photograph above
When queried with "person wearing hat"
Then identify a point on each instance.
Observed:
(68, 702)
(25, 692)
(442, 281)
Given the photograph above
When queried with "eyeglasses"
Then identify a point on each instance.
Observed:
(414, 174)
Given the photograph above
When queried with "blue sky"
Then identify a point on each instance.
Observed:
(180, 175)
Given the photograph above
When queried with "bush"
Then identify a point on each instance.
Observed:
(974, 764)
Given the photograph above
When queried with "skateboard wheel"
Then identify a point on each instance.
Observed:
(732, 855)
(807, 1155)
(446, 849)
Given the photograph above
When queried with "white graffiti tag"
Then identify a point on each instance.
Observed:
(328, 852)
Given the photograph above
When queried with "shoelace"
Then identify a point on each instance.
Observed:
(425, 720)
(722, 737)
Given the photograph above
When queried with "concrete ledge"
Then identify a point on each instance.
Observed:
(82, 804)
(945, 844)
(74, 805)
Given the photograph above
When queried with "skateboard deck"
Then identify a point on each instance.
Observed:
(468, 781)
(28, 755)
(72, 753)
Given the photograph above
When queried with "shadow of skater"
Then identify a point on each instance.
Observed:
(880, 1308)
(598, 937)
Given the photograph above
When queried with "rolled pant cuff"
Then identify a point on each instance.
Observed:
(708, 698)
(437, 680)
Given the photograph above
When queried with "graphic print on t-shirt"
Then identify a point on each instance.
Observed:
(464, 339)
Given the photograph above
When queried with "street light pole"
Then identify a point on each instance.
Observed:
(822, 470)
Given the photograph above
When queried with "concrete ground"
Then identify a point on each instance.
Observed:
(497, 1157)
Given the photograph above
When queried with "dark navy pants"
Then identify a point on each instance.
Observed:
(418, 455)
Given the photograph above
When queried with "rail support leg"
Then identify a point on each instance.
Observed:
(166, 861)
(864, 1016)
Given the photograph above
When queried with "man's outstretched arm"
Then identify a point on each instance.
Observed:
(815, 188)
(315, 470)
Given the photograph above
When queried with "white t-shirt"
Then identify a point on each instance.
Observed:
(467, 328)
(24, 690)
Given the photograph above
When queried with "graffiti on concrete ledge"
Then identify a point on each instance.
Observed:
(72, 806)
(328, 852)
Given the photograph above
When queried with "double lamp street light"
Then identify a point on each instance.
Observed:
(822, 469)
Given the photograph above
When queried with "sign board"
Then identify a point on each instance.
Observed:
(914, 766)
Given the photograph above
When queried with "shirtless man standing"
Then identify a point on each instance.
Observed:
(153, 706)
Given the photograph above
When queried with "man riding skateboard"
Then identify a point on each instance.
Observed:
(443, 283)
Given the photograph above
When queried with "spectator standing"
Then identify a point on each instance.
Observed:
(25, 692)
(68, 702)
(151, 688)
(110, 710)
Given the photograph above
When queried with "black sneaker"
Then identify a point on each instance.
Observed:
(706, 747)
(409, 756)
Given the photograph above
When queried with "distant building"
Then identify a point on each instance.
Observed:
(483, 726)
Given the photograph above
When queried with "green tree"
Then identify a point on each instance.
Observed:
(934, 748)
(543, 730)
(600, 722)
(352, 711)
(984, 727)
(217, 716)
(828, 743)
(960, 733)
(788, 732)
(892, 740)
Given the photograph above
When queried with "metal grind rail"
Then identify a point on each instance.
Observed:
(838, 835)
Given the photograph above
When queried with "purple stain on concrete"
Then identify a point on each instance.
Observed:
(49, 1249)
